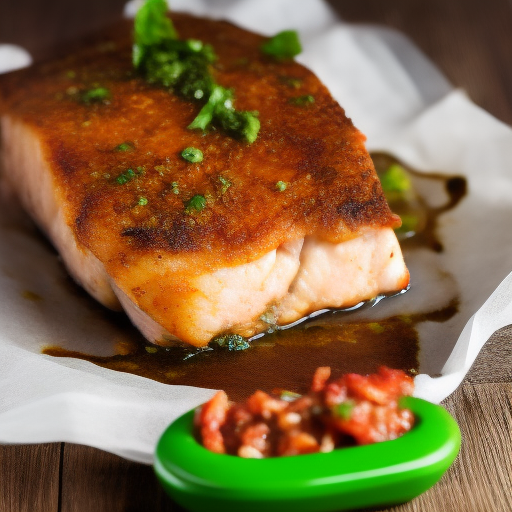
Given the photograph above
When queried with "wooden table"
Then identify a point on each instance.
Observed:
(471, 41)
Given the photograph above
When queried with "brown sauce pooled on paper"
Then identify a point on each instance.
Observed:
(286, 359)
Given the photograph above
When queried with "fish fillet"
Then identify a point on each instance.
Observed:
(256, 255)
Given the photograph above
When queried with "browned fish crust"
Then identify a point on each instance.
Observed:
(332, 189)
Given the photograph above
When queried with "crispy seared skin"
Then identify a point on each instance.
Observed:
(332, 189)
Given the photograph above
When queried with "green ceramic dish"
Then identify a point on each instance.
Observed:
(347, 478)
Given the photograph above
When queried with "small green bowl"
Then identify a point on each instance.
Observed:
(380, 474)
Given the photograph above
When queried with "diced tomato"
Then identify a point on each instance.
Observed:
(361, 408)
(257, 438)
(210, 419)
(335, 393)
(263, 404)
(297, 443)
(320, 378)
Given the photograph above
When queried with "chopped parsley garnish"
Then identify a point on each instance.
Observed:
(151, 350)
(395, 179)
(175, 188)
(125, 146)
(126, 176)
(281, 186)
(232, 342)
(219, 110)
(225, 184)
(197, 203)
(302, 101)
(185, 67)
(293, 83)
(152, 26)
(96, 95)
(143, 201)
(284, 45)
(192, 155)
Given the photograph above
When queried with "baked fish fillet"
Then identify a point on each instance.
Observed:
(106, 182)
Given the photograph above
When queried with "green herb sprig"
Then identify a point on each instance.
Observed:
(184, 66)
(302, 101)
(195, 204)
(95, 95)
(232, 342)
(192, 155)
(126, 176)
(124, 146)
(129, 175)
(225, 184)
(284, 45)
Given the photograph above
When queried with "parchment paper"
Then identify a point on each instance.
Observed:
(406, 107)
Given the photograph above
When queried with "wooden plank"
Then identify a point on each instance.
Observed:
(480, 479)
(471, 42)
(494, 363)
(29, 478)
(97, 481)
(41, 26)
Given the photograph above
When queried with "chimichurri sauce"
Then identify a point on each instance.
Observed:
(286, 359)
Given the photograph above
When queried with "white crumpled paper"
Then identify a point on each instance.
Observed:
(405, 107)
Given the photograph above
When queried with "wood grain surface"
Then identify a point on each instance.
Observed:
(471, 42)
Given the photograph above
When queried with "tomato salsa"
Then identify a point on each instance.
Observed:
(351, 410)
